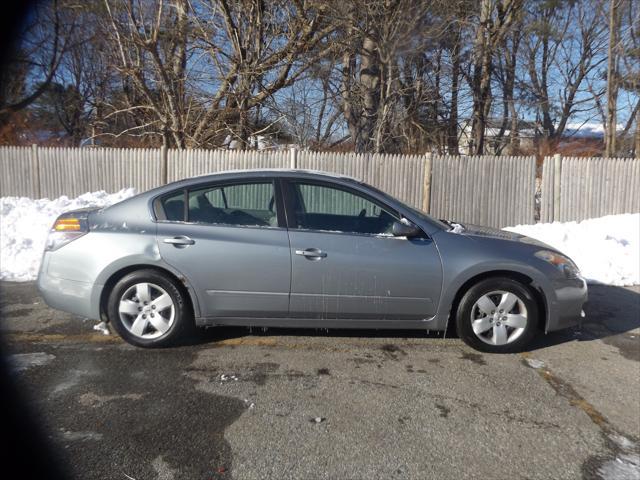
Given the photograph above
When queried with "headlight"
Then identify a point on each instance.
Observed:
(562, 263)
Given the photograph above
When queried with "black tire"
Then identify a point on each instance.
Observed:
(485, 287)
(181, 325)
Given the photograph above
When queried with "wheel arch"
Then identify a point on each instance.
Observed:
(523, 278)
(117, 275)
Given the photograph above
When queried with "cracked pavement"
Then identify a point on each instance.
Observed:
(297, 404)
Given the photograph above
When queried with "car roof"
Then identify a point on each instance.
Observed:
(253, 173)
(271, 171)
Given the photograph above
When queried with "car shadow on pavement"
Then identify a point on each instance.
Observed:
(610, 312)
(612, 315)
(219, 334)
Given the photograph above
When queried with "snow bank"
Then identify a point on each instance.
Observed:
(606, 249)
(25, 223)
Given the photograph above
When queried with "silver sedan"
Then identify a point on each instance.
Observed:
(280, 248)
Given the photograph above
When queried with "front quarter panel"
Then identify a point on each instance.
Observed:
(465, 257)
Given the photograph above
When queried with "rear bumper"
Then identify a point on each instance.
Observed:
(566, 310)
(67, 295)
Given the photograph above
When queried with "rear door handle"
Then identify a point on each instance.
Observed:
(181, 240)
(312, 253)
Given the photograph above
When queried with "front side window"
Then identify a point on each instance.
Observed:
(321, 207)
(247, 204)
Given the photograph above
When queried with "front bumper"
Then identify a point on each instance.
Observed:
(566, 310)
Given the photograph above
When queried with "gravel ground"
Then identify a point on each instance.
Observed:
(295, 404)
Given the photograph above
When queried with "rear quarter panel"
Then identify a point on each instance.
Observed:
(120, 236)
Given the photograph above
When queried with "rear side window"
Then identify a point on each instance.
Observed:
(248, 204)
(321, 207)
(174, 207)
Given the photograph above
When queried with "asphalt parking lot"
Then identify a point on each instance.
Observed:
(333, 405)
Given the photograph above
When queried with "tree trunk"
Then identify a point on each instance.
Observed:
(481, 80)
(612, 80)
(512, 61)
(514, 136)
(370, 82)
(452, 127)
(637, 142)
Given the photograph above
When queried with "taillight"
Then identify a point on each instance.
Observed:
(67, 224)
(67, 228)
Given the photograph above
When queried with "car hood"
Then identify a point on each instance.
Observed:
(488, 232)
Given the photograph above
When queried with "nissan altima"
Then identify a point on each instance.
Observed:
(291, 248)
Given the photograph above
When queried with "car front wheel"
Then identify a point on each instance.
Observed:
(497, 315)
(147, 309)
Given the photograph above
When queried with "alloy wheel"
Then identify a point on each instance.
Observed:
(146, 310)
(499, 317)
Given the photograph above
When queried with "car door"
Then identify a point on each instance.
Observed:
(229, 241)
(346, 264)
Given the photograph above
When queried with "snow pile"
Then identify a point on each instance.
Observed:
(25, 223)
(606, 249)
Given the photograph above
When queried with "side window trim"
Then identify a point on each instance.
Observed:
(226, 183)
(289, 194)
(280, 190)
(185, 200)
(224, 197)
(160, 214)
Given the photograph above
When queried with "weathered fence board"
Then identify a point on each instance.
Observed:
(188, 163)
(487, 190)
(18, 172)
(589, 188)
(399, 175)
(52, 172)
(491, 191)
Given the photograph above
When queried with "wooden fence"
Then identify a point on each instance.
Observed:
(574, 189)
(488, 190)
(491, 191)
(51, 172)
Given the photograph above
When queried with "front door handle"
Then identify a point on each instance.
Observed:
(179, 241)
(314, 253)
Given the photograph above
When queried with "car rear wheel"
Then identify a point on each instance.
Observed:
(148, 309)
(497, 315)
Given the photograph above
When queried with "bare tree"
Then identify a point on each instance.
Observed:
(36, 56)
(373, 75)
(199, 71)
(494, 22)
(628, 70)
(391, 73)
(309, 111)
(612, 79)
(563, 45)
(506, 69)
(256, 49)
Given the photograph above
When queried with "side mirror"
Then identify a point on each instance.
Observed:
(409, 230)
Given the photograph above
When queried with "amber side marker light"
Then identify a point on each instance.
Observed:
(67, 224)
